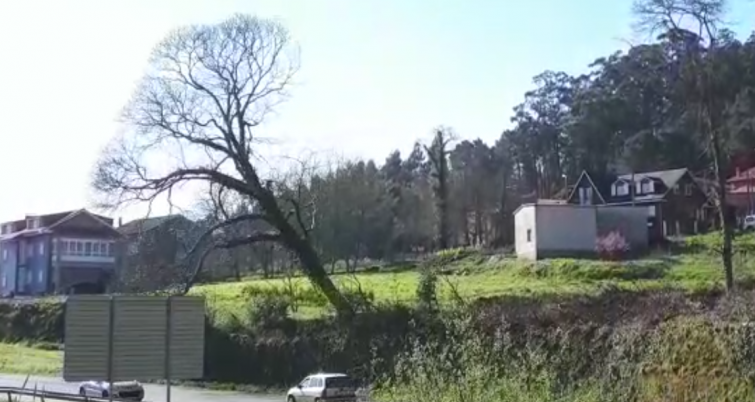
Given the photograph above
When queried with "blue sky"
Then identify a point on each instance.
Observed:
(376, 75)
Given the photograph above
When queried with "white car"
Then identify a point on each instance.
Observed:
(749, 222)
(324, 387)
(125, 390)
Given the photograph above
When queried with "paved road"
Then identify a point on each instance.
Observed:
(153, 393)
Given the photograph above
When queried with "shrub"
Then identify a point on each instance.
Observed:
(612, 246)
(586, 270)
(449, 256)
(269, 311)
(295, 291)
(712, 243)
(427, 292)
(361, 300)
(32, 322)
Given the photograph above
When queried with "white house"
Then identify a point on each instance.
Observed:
(556, 229)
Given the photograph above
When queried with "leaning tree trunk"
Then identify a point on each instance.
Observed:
(304, 250)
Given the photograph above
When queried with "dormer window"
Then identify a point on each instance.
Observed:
(32, 223)
(620, 188)
(647, 187)
(585, 195)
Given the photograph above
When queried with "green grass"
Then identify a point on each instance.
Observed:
(472, 275)
(23, 359)
(467, 274)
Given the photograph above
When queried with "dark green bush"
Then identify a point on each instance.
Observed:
(712, 243)
(586, 270)
(427, 292)
(447, 257)
(270, 311)
(31, 322)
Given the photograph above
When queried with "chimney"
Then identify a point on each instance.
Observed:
(120, 221)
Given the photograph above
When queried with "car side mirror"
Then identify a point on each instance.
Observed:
(298, 386)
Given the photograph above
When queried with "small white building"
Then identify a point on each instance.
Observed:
(550, 229)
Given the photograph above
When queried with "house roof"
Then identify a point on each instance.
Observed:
(548, 203)
(25, 233)
(103, 221)
(597, 189)
(564, 204)
(50, 221)
(668, 177)
(147, 224)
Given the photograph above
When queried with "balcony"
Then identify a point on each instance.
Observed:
(84, 250)
(88, 259)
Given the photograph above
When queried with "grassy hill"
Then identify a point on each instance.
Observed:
(470, 274)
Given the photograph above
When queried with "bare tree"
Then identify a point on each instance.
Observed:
(217, 206)
(695, 26)
(195, 119)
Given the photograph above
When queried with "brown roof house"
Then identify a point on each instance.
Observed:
(676, 203)
(154, 251)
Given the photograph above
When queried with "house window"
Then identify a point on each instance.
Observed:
(676, 189)
(622, 188)
(54, 248)
(5, 281)
(99, 249)
(40, 276)
(651, 211)
(648, 187)
(30, 250)
(638, 188)
(28, 278)
(585, 195)
(529, 235)
(688, 189)
(111, 249)
(41, 248)
(5, 254)
(86, 248)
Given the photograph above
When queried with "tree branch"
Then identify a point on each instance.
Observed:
(229, 244)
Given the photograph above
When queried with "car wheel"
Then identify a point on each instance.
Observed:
(291, 399)
(82, 392)
(105, 394)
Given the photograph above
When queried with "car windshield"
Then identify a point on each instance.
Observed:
(339, 382)
(750, 219)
